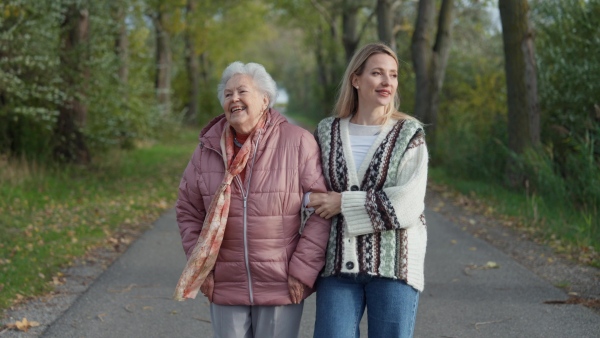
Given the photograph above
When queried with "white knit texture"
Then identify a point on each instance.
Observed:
(407, 197)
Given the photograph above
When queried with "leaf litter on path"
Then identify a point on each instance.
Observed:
(489, 265)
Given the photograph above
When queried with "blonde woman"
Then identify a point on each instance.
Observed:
(375, 162)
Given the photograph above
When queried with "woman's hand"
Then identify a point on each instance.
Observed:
(326, 204)
(296, 289)
(208, 286)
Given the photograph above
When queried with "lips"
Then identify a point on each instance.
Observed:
(237, 109)
(384, 92)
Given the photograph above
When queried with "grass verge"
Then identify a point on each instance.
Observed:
(566, 230)
(50, 216)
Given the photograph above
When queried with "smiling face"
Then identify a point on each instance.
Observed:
(243, 103)
(378, 82)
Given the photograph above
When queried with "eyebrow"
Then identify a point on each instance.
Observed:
(236, 88)
(379, 68)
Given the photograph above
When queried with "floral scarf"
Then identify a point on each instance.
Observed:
(204, 254)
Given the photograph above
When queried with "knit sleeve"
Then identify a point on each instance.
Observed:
(394, 207)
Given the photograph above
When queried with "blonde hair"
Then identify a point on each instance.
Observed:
(347, 101)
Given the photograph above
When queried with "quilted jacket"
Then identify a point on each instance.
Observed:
(262, 243)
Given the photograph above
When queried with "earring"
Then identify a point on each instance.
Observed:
(356, 87)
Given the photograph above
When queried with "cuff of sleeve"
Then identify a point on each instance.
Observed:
(308, 276)
(355, 213)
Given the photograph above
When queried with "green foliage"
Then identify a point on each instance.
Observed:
(568, 168)
(549, 219)
(472, 122)
(563, 188)
(35, 84)
(51, 215)
(29, 83)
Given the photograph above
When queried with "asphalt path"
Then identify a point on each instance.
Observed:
(471, 290)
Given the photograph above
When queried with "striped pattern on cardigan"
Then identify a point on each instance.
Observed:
(381, 230)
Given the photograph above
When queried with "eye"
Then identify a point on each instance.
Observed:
(376, 73)
(394, 76)
(227, 95)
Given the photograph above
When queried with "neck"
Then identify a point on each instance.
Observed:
(369, 117)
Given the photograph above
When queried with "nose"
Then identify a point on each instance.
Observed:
(235, 97)
(386, 80)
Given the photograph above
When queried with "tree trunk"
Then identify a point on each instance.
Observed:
(441, 51)
(70, 142)
(163, 65)
(521, 83)
(350, 36)
(422, 55)
(430, 62)
(193, 67)
(385, 23)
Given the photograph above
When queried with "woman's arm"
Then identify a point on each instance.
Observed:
(395, 207)
(190, 207)
(309, 257)
(392, 208)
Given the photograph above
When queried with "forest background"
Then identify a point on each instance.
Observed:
(101, 103)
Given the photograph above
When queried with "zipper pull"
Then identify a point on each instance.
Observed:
(245, 202)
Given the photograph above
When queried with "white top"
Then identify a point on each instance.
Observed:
(361, 139)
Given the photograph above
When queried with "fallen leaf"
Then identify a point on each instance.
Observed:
(101, 316)
(453, 241)
(491, 265)
(22, 325)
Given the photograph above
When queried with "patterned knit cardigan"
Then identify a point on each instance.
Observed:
(381, 230)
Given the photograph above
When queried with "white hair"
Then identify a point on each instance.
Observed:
(262, 80)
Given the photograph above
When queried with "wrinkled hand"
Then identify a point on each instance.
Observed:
(208, 286)
(296, 289)
(326, 204)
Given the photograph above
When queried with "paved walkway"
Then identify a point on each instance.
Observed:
(133, 297)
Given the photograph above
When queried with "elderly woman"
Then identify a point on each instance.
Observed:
(243, 190)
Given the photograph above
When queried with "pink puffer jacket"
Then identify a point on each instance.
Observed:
(263, 246)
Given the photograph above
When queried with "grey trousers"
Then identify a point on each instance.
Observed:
(259, 321)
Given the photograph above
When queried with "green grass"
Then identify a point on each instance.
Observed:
(567, 230)
(50, 216)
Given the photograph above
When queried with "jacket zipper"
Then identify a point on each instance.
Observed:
(245, 193)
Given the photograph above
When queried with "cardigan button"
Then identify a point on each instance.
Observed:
(354, 188)
(349, 265)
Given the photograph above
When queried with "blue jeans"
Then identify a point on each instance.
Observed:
(341, 301)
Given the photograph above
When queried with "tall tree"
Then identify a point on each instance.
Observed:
(385, 22)
(70, 141)
(521, 83)
(430, 61)
(193, 65)
(164, 60)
